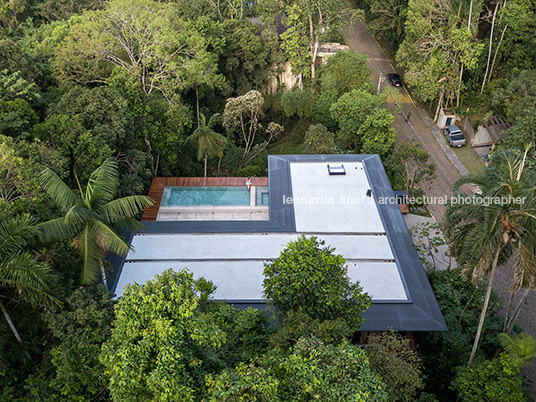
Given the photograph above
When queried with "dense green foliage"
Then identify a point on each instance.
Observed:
(76, 336)
(461, 303)
(312, 370)
(498, 380)
(86, 82)
(392, 356)
(310, 278)
(160, 342)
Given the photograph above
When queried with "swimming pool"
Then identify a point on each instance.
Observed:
(213, 195)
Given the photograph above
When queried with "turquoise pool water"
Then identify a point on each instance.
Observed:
(212, 195)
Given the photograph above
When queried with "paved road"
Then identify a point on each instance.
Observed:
(419, 126)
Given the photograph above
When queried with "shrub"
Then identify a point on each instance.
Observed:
(318, 140)
(390, 355)
(499, 380)
(249, 171)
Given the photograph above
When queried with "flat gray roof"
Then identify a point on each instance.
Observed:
(333, 203)
(372, 237)
(234, 261)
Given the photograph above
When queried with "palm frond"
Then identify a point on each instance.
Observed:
(78, 216)
(109, 240)
(103, 182)
(34, 281)
(129, 225)
(55, 230)
(521, 349)
(16, 233)
(130, 206)
(62, 195)
(213, 120)
(91, 255)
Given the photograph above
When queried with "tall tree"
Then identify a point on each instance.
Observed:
(412, 164)
(309, 277)
(160, 341)
(312, 21)
(364, 124)
(143, 37)
(93, 217)
(345, 71)
(243, 113)
(22, 277)
(499, 220)
(435, 48)
(209, 142)
(313, 370)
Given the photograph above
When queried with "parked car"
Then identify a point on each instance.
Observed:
(454, 136)
(394, 79)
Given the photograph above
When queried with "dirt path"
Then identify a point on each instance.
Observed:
(421, 128)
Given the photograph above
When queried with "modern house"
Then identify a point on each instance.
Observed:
(224, 231)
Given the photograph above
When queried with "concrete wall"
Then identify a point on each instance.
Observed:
(445, 114)
(286, 77)
(467, 129)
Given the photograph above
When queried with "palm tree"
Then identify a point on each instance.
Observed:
(93, 217)
(483, 234)
(209, 142)
(22, 277)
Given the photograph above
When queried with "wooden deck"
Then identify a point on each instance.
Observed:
(157, 188)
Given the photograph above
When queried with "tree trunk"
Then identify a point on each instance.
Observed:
(197, 105)
(206, 157)
(311, 43)
(486, 302)
(103, 274)
(489, 52)
(516, 311)
(439, 104)
(459, 87)
(461, 69)
(509, 309)
(496, 51)
(11, 325)
(470, 15)
(314, 55)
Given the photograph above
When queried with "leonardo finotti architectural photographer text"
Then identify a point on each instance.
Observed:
(421, 200)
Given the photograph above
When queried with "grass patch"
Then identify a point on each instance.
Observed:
(469, 158)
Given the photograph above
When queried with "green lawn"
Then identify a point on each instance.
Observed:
(469, 158)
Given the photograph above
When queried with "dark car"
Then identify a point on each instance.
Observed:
(394, 79)
(454, 136)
